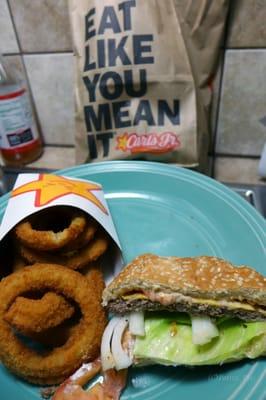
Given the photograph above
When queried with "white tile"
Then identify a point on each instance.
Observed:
(237, 170)
(51, 78)
(8, 41)
(247, 27)
(55, 158)
(42, 25)
(241, 128)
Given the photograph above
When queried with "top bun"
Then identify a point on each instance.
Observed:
(202, 277)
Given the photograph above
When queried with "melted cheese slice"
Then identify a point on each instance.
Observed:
(167, 299)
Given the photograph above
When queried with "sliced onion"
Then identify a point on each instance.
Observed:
(203, 330)
(121, 358)
(106, 354)
(136, 323)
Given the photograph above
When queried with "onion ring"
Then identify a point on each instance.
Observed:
(29, 316)
(58, 335)
(83, 239)
(73, 260)
(84, 341)
(41, 239)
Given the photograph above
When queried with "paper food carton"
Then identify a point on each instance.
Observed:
(35, 192)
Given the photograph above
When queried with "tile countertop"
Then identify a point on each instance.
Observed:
(244, 170)
(55, 158)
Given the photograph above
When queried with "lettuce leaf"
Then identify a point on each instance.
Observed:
(168, 341)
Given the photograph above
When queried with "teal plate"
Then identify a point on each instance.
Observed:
(172, 211)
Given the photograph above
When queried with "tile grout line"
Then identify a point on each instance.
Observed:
(244, 48)
(215, 133)
(38, 53)
(235, 155)
(46, 52)
(25, 72)
(221, 80)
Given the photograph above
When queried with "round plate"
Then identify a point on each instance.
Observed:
(172, 211)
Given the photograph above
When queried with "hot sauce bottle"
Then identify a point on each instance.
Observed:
(20, 142)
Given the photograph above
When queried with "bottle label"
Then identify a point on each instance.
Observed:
(16, 123)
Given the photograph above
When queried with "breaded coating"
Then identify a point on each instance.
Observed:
(31, 316)
(84, 341)
(45, 238)
(84, 238)
(73, 260)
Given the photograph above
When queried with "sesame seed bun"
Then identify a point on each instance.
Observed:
(199, 285)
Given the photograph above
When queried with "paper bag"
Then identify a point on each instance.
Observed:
(143, 69)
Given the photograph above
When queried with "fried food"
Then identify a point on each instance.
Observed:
(73, 260)
(58, 335)
(83, 343)
(84, 238)
(58, 235)
(29, 316)
(51, 229)
(93, 271)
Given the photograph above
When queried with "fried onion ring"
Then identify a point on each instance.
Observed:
(72, 260)
(58, 335)
(84, 341)
(83, 239)
(29, 316)
(50, 239)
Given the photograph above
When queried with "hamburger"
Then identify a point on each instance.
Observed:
(184, 311)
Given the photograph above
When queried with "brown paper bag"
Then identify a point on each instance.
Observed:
(142, 73)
